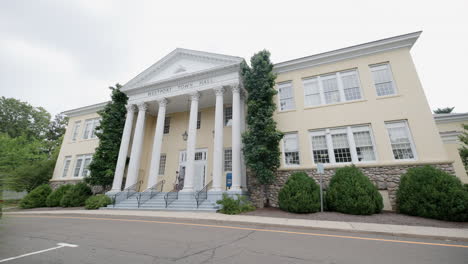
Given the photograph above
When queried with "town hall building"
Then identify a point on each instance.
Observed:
(181, 144)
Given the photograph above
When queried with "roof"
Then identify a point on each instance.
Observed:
(452, 117)
(85, 109)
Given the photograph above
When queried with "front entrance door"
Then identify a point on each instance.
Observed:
(199, 177)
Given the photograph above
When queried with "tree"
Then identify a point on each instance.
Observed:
(261, 140)
(54, 134)
(109, 132)
(463, 150)
(446, 110)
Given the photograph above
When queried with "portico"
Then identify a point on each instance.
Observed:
(178, 106)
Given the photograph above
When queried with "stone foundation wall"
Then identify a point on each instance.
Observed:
(55, 184)
(384, 177)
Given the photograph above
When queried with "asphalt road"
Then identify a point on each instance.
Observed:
(157, 240)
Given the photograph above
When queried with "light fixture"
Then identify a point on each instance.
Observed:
(185, 136)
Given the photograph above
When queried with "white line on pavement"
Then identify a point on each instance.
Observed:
(60, 245)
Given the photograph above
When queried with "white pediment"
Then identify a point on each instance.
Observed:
(180, 63)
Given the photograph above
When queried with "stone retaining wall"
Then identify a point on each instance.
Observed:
(384, 177)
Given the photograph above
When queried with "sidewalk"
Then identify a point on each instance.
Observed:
(459, 234)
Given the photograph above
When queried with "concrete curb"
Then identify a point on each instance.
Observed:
(455, 234)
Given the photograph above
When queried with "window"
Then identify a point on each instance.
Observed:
(227, 115)
(66, 166)
(162, 164)
(76, 130)
(81, 165)
(332, 88)
(291, 149)
(167, 124)
(198, 120)
(383, 80)
(90, 128)
(400, 138)
(343, 145)
(286, 96)
(228, 160)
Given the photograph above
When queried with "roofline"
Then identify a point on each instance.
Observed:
(452, 117)
(401, 41)
(89, 109)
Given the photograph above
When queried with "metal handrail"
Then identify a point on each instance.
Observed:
(202, 195)
(126, 192)
(149, 193)
(171, 196)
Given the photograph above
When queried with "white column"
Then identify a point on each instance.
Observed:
(218, 141)
(243, 125)
(137, 146)
(157, 144)
(191, 143)
(123, 151)
(236, 139)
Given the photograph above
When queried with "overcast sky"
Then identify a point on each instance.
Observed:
(64, 54)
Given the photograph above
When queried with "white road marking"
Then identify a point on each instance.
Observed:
(59, 245)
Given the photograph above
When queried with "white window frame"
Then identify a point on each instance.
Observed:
(338, 75)
(76, 130)
(167, 124)
(199, 114)
(296, 135)
(227, 122)
(162, 164)
(91, 133)
(224, 159)
(82, 159)
(328, 132)
(66, 167)
(285, 84)
(399, 123)
(374, 67)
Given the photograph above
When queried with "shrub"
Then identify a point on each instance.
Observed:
(432, 193)
(76, 196)
(37, 197)
(351, 192)
(97, 201)
(235, 206)
(53, 200)
(300, 194)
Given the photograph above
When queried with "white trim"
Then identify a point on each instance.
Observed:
(452, 117)
(410, 135)
(90, 109)
(69, 160)
(286, 84)
(283, 149)
(387, 66)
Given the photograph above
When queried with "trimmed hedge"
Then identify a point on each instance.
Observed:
(37, 197)
(300, 194)
(76, 196)
(235, 206)
(351, 192)
(432, 193)
(53, 200)
(97, 201)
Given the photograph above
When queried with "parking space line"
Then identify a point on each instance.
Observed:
(59, 245)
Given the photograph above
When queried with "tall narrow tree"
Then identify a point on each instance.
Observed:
(261, 140)
(109, 133)
(463, 150)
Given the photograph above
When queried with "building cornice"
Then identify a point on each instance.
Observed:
(452, 117)
(85, 110)
(387, 44)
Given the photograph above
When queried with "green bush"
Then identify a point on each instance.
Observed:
(37, 197)
(300, 194)
(53, 200)
(351, 192)
(429, 192)
(97, 201)
(235, 206)
(76, 196)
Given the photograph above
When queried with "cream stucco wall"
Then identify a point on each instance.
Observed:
(74, 148)
(409, 104)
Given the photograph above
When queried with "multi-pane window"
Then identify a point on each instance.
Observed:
(76, 130)
(90, 128)
(291, 149)
(162, 164)
(383, 80)
(66, 166)
(400, 138)
(343, 145)
(81, 165)
(227, 115)
(332, 88)
(198, 120)
(167, 124)
(286, 96)
(228, 160)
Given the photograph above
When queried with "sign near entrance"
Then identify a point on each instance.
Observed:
(181, 87)
(228, 180)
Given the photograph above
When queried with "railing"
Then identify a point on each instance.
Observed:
(171, 196)
(202, 195)
(149, 193)
(126, 193)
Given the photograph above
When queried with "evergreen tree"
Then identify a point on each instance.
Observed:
(445, 110)
(109, 132)
(464, 148)
(261, 140)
